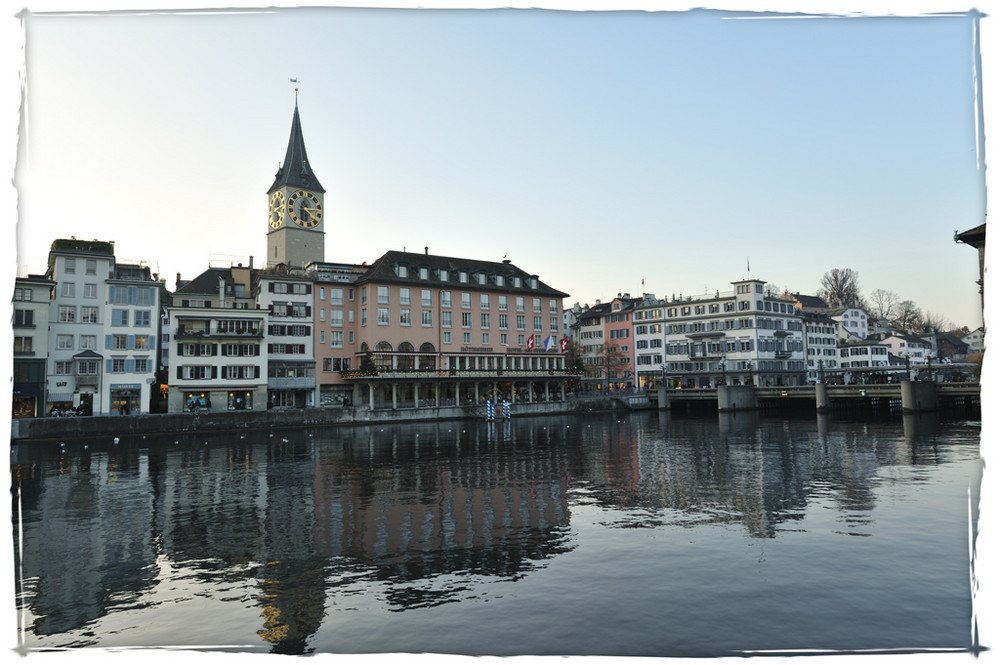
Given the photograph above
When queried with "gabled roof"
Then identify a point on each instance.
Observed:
(295, 170)
(385, 270)
(810, 302)
(207, 283)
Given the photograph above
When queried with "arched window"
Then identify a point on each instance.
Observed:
(404, 363)
(426, 360)
(383, 355)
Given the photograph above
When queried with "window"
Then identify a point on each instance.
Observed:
(404, 295)
(466, 300)
(70, 266)
(383, 295)
(486, 338)
(142, 365)
(142, 318)
(424, 273)
(466, 320)
(466, 338)
(383, 316)
(88, 315)
(520, 321)
(67, 314)
(401, 271)
(502, 303)
(446, 337)
(426, 297)
(22, 294)
(337, 339)
(336, 318)
(64, 367)
(538, 323)
(554, 324)
(336, 296)
(426, 317)
(86, 367)
(446, 298)
(91, 266)
(144, 297)
(463, 277)
(446, 319)
(484, 301)
(141, 342)
(519, 303)
(536, 304)
(22, 345)
(88, 341)
(502, 323)
(404, 317)
(119, 317)
(90, 290)
(484, 321)
(117, 365)
(443, 275)
(24, 318)
(119, 342)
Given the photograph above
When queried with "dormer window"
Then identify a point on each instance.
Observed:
(401, 271)
(517, 282)
(424, 273)
(499, 280)
(481, 278)
(443, 275)
(463, 277)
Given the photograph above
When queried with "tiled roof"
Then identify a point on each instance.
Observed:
(385, 270)
(295, 170)
(207, 283)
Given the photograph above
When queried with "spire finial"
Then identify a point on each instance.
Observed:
(296, 82)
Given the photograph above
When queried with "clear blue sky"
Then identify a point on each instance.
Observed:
(596, 149)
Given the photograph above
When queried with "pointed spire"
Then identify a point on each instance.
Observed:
(295, 170)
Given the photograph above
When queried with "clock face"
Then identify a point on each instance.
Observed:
(276, 209)
(305, 209)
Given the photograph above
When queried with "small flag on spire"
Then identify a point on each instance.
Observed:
(294, 80)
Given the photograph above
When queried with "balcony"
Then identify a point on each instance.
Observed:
(199, 333)
(493, 374)
(87, 380)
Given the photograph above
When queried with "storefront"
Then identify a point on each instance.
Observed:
(240, 400)
(126, 399)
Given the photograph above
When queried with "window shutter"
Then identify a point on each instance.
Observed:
(111, 294)
(152, 342)
(180, 372)
(107, 365)
(130, 342)
(308, 289)
(256, 371)
(270, 287)
(308, 310)
(107, 341)
(270, 348)
(133, 295)
(130, 365)
(215, 372)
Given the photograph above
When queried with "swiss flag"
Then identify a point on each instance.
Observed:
(531, 342)
(563, 344)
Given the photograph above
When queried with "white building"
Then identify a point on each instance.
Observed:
(31, 344)
(852, 321)
(821, 345)
(747, 336)
(216, 343)
(102, 330)
(916, 349)
(287, 297)
(976, 341)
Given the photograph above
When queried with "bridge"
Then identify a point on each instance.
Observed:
(910, 396)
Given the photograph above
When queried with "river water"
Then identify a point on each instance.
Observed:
(648, 534)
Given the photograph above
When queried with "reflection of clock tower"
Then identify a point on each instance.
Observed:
(295, 233)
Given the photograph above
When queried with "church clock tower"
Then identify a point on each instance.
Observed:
(295, 234)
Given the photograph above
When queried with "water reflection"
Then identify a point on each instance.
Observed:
(408, 517)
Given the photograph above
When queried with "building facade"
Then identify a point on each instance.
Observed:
(31, 342)
(748, 336)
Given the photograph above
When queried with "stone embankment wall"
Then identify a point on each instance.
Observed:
(64, 429)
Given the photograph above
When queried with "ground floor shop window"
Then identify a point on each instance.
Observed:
(197, 401)
(125, 401)
(240, 400)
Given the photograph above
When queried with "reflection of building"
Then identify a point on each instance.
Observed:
(31, 338)
(86, 567)
(413, 516)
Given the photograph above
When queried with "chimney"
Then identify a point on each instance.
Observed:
(251, 262)
(178, 285)
(425, 250)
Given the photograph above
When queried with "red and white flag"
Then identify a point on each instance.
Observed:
(563, 344)
(531, 342)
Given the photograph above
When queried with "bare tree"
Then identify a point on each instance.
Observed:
(908, 317)
(936, 323)
(883, 304)
(840, 287)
